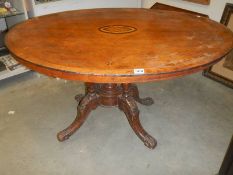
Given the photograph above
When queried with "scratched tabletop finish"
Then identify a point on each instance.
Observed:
(119, 45)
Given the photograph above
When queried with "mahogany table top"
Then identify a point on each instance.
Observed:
(119, 45)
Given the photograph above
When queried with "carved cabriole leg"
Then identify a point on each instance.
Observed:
(133, 90)
(127, 104)
(87, 103)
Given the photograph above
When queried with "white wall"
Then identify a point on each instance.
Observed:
(214, 10)
(64, 5)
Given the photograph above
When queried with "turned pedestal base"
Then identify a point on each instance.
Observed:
(124, 96)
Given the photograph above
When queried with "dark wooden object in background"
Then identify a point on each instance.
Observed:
(160, 6)
(227, 165)
(227, 15)
(107, 47)
(204, 2)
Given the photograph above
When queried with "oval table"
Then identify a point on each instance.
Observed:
(110, 49)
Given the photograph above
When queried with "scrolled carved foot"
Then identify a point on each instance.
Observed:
(63, 135)
(133, 90)
(150, 142)
(145, 101)
(129, 107)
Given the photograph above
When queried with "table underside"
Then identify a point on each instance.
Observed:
(123, 96)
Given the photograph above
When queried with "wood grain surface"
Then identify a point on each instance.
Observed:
(107, 45)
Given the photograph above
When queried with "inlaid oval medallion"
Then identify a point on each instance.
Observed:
(117, 29)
